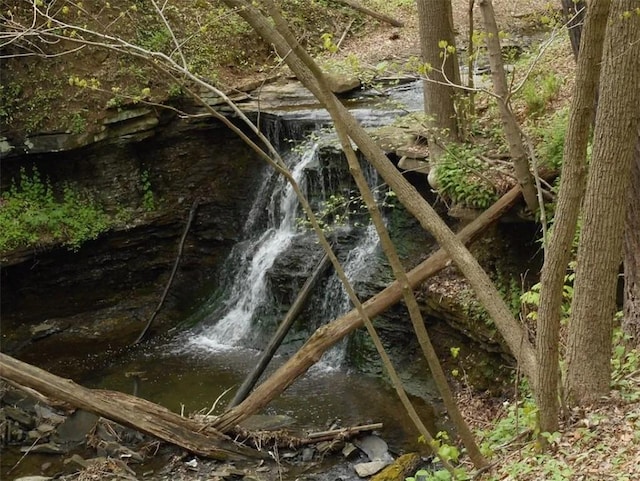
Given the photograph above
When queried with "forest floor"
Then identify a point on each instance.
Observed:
(598, 443)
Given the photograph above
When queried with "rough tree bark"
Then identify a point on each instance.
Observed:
(517, 150)
(631, 319)
(571, 193)
(599, 251)
(436, 24)
(573, 12)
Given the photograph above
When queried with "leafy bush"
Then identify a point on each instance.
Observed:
(30, 214)
(539, 91)
(550, 149)
(459, 176)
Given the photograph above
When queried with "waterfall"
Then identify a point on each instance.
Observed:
(244, 298)
(357, 267)
(254, 257)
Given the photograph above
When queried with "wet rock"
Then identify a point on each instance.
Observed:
(307, 454)
(391, 138)
(403, 467)
(374, 447)
(45, 429)
(340, 83)
(116, 450)
(264, 422)
(45, 329)
(19, 416)
(364, 470)
(348, 450)
(76, 427)
(414, 165)
(47, 414)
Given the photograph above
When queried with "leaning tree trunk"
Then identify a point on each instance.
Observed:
(482, 285)
(398, 270)
(573, 12)
(571, 193)
(330, 334)
(631, 319)
(517, 150)
(487, 293)
(435, 25)
(598, 262)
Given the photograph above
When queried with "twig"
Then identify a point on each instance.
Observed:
(536, 177)
(320, 436)
(344, 34)
(372, 13)
(192, 213)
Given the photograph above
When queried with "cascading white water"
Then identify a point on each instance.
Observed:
(249, 290)
(357, 266)
(246, 291)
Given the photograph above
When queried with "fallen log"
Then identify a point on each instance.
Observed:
(130, 411)
(329, 334)
(372, 13)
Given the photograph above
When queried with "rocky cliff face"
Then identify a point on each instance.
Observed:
(184, 162)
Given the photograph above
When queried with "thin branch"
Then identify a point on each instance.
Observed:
(192, 213)
(173, 36)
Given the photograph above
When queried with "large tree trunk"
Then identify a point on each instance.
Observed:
(599, 252)
(631, 320)
(572, 185)
(573, 12)
(517, 150)
(436, 24)
(329, 334)
(131, 411)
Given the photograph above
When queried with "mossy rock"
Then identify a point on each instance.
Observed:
(401, 468)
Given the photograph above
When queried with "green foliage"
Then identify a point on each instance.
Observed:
(459, 176)
(337, 211)
(10, 94)
(30, 214)
(539, 91)
(550, 149)
(625, 361)
(77, 123)
(155, 40)
(532, 297)
(148, 198)
(443, 451)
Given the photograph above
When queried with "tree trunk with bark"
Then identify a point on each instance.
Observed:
(571, 193)
(631, 319)
(573, 13)
(436, 25)
(517, 149)
(599, 251)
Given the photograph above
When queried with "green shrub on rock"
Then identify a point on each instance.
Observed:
(31, 214)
